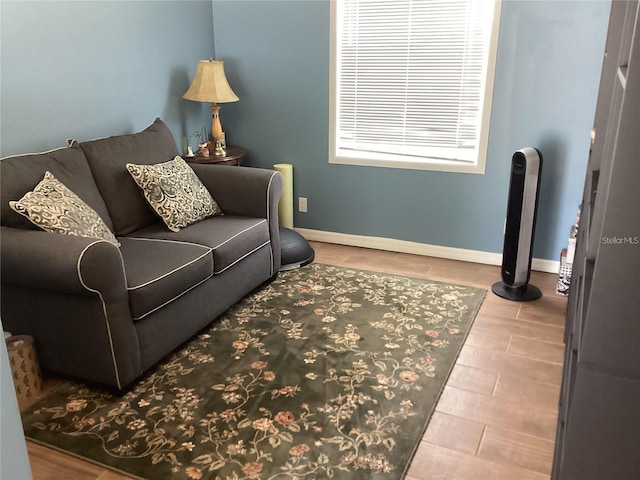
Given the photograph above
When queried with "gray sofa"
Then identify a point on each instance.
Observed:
(105, 313)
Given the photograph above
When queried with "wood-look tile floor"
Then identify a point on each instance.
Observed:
(496, 418)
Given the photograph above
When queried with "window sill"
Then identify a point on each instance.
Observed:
(434, 164)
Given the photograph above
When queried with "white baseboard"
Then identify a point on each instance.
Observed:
(404, 246)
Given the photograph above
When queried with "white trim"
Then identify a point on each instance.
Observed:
(171, 272)
(18, 155)
(241, 258)
(153, 239)
(240, 233)
(149, 282)
(104, 305)
(268, 212)
(404, 246)
(171, 300)
(544, 265)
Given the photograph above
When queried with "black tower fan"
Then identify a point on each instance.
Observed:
(522, 208)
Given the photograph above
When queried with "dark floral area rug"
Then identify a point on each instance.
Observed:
(325, 373)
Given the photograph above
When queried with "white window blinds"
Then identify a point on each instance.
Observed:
(411, 79)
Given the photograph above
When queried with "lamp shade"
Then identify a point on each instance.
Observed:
(210, 84)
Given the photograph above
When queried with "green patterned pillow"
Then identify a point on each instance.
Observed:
(174, 192)
(56, 209)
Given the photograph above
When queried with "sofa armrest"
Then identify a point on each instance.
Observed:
(60, 263)
(70, 294)
(246, 191)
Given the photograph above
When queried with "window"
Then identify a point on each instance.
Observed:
(411, 82)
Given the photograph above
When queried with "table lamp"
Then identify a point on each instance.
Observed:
(210, 85)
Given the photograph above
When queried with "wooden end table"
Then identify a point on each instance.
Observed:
(234, 156)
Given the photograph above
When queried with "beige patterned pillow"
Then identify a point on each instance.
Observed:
(56, 209)
(174, 192)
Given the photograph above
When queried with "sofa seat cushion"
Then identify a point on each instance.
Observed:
(231, 238)
(159, 271)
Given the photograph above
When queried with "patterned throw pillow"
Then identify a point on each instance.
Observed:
(56, 209)
(174, 192)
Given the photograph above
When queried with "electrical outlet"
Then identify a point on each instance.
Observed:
(302, 204)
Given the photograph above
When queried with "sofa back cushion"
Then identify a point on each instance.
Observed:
(108, 157)
(21, 173)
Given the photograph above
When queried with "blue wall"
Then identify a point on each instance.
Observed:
(276, 57)
(90, 69)
(96, 68)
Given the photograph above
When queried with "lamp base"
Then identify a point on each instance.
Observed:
(219, 150)
(216, 131)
